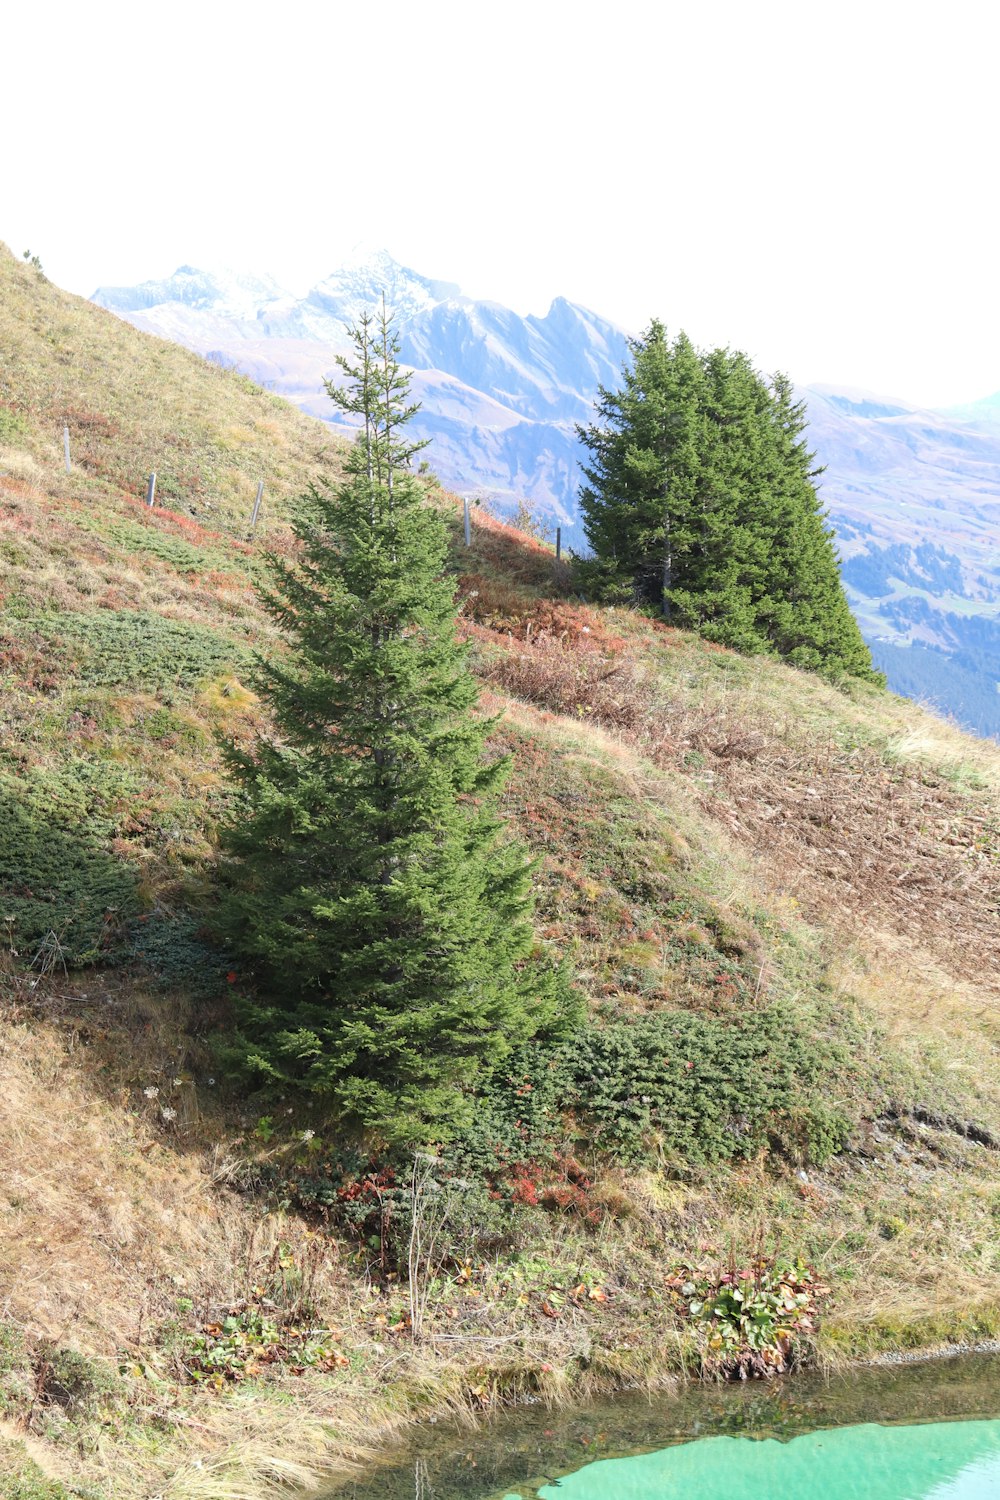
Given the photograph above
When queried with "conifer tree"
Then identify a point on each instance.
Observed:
(700, 501)
(384, 915)
(646, 450)
(804, 612)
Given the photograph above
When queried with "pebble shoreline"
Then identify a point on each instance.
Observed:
(946, 1351)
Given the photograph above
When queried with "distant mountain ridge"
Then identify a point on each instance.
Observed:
(914, 495)
(500, 394)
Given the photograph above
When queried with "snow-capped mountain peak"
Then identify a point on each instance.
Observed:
(365, 277)
(226, 293)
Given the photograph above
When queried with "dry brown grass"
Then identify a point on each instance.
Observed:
(56, 557)
(105, 1223)
(856, 839)
(500, 550)
(503, 608)
(857, 828)
(926, 1012)
(111, 1219)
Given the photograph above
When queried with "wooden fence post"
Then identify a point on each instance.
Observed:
(468, 524)
(66, 448)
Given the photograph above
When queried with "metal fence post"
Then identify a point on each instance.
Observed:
(66, 448)
(558, 543)
(256, 505)
(468, 524)
(151, 491)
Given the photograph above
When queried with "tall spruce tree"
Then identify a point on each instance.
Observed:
(700, 501)
(647, 451)
(384, 915)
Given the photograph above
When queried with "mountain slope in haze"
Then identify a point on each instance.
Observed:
(986, 411)
(500, 394)
(914, 495)
(735, 856)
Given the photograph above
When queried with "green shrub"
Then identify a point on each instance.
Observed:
(162, 723)
(694, 1089)
(175, 550)
(673, 1087)
(54, 874)
(12, 425)
(180, 958)
(67, 1378)
(141, 650)
(812, 1133)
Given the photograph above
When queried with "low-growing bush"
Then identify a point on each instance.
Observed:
(67, 1378)
(133, 648)
(671, 1088)
(55, 878)
(151, 541)
(175, 951)
(12, 425)
(811, 1133)
(673, 1085)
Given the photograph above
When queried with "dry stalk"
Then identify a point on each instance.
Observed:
(430, 1202)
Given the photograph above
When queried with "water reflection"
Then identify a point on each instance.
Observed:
(565, 1455)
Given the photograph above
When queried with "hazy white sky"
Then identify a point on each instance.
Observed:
(814, 183)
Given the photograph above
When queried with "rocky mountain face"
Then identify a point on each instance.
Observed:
(914, 495)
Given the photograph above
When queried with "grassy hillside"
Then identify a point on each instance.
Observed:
(135, 405)
(779, 899)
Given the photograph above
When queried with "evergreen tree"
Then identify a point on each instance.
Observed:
(384, 915)
(715, 587)
(804, 612)
(700, 501)
(646, 450)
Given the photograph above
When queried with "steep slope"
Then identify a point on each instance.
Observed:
(779, 900)
(135, 406)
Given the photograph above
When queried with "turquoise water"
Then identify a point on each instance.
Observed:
(917, 1432)
(943, 1460)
